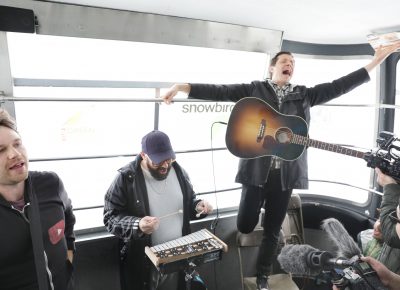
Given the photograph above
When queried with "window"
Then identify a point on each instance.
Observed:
(86, 141)
(339, 122)
(80, 139)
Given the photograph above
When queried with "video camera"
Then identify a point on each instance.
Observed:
(387, 156)
(353, 274)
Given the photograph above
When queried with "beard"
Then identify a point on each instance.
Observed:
(159, 173)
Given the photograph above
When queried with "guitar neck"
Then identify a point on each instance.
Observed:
(301, 140)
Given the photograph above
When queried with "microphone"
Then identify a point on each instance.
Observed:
(345, 244)
(304, 260)
(294, 259)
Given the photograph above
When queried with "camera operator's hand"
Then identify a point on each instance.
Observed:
(382, 178)
(388, 278)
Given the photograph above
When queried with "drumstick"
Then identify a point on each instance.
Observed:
(199, 214)
(170, 214)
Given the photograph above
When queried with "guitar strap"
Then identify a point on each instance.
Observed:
(37, 239)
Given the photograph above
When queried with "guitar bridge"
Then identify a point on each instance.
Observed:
(261, 130)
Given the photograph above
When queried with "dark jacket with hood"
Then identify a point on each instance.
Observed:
(294, 174)
(126, 202)
(390, 201)
(47, 208)
(390, 253)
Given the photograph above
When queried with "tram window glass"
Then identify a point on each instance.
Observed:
(79, 93)
(205, 167)
(86, 182)
(54, 57)
(94, 129)
(313, 71)
(197, 123)
(339, 125)
(76, 129)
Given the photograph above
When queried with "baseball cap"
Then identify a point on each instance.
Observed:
(156, 144)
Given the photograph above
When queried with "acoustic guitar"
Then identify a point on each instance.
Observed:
(256, 129)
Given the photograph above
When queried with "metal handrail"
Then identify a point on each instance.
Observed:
(238, 188)
(119, 155)
(347, 184)
(201, 193)
(20, 82)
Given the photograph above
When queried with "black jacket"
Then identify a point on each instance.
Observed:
(44, 191)
(294, 174)
(126, 201)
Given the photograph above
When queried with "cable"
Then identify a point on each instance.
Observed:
(215, 221)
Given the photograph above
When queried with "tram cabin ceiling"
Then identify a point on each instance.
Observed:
(311, 21)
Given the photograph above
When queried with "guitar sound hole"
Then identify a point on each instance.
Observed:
(283, 135)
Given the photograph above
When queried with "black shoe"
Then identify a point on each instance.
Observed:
(262, 282)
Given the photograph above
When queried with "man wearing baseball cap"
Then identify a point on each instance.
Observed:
(157, 150)
(151, 201)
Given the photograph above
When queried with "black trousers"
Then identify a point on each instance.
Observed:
(275, 202)
(171, 281)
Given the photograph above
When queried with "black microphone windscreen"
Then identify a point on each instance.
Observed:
(293, 259)
(347, 247)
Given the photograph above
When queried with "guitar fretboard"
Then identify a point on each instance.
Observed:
(301, 140)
